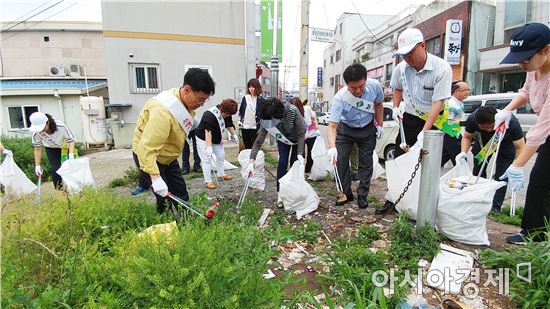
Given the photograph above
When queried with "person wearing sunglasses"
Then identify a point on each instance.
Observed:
(530, 48)
(161, 129)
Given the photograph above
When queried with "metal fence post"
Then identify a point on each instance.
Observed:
(429, 178)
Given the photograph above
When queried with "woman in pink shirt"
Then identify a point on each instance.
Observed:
(530, 48)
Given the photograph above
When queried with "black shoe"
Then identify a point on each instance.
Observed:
(384, 209)
(185, 171)
(340, 202)
(362, 202)
(197, 169)
(354, 176)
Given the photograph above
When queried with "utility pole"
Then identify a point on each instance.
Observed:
(274, 58)
(304, 50)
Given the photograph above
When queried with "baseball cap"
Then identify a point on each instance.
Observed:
(526, 41)
(38, 121)
(407, 40)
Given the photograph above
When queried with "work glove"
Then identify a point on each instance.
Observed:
(301, 159)
(502, 116)
(250, 168)
(396, 114)
(379, 132)
(159, 186)
(515, 178)
(420, 139)
(234, 138)
(461, 156)
(38, 170)
(71, 156)
(332, 154)
(7, 152)
(239, 124)
(208, 151)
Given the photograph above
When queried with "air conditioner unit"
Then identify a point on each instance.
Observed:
(57, 70)
(74, 70)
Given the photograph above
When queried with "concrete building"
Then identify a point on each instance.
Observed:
(509, 16)
(42, 69)
(338, 55)
(151, 48)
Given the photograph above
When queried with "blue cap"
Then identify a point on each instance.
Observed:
(526, 41)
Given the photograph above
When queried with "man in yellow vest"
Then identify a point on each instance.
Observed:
(161, 129)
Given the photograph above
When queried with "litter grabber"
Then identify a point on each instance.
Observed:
(340, 196)
(245, 190)
(501, 130)
(214, 170)
(513, 204)
(403, 144)
(38, 184)
(206, 216)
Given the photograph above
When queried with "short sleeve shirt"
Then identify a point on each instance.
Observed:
(507, 148)
(351, 116)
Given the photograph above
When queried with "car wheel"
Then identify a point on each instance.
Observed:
(389, 152)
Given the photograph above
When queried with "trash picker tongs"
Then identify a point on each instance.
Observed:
(184, 204)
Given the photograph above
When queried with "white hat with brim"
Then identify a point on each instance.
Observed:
(38, 121)
(407, 40)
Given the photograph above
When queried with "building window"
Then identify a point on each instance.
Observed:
(332, 81)
(331, 59)
(19, 116)
(341, 26)
(389, 71)
(266, 81)
(46, 39)
(516, 13)
(336, 83)
(207, 68)
(433, 46)
(324, 63)
(145, 77)
(338, 55)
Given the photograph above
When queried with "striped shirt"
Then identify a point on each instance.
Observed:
(54, 140)
(432, 83)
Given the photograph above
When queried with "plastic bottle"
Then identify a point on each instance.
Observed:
(211, 211)
(457, 184)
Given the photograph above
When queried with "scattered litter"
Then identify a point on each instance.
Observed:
(423, 263)
(476, 302)
(263, 218)
(269, 274)
(450, 267)
(416, 300)
(328, 239)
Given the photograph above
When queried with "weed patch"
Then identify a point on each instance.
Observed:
(131, 176)
(504, 216)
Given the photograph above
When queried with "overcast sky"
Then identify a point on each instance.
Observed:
(323, 14)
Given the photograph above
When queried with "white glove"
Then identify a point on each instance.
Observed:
(38, 170)
(301, 159)
(208, 151)
(239, 124)
(159, 186)
(332, 154)
(461, 156)
(515, 178)
(502, 116)
(7, 152)
(420, 138)
(379, 132)
(250, 168)
(234, 138)
(71, 156)
(396, 114)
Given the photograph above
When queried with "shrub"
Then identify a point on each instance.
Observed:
(131, 176)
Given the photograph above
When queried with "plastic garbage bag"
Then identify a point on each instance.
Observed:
(462, 212)
(226, 165)
(296, 194)
(76, 174)
(258, 179)
(398, 173)
(13, 178)
(377, 169)
(321, 165)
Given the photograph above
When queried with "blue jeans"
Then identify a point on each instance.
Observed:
(284, 151)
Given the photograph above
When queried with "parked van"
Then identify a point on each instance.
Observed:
(526, 116)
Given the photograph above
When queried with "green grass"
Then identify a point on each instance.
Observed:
(504, 216)
(270, 159)
(131, 177)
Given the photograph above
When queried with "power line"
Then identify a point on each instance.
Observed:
(24, 20)
(367, 27)
(36, 8)
(70, 6)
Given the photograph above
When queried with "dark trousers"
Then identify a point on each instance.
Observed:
(54, 156)
(365, 138)
(537, 200)
(284, 152)
(412, 125)
(144, 178)
(451, 148)
(249, 136)
(502, 164)
(186, 153)
(309, 160)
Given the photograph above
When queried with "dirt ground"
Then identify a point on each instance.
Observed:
(335, 221)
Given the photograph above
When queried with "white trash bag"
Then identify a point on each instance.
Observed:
(398, 173)
(76, 174)
(226, 165)
(321, 165)
(462, 213)
(377, 169)
(296, 194)
(257, 181)
(13, 178)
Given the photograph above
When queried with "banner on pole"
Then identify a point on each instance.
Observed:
(267, 17)
(453, 41)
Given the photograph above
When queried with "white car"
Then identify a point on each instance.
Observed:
(323, 117)
(385, 147)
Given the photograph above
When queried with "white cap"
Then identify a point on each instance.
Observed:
(407, 41)
(38, 121)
